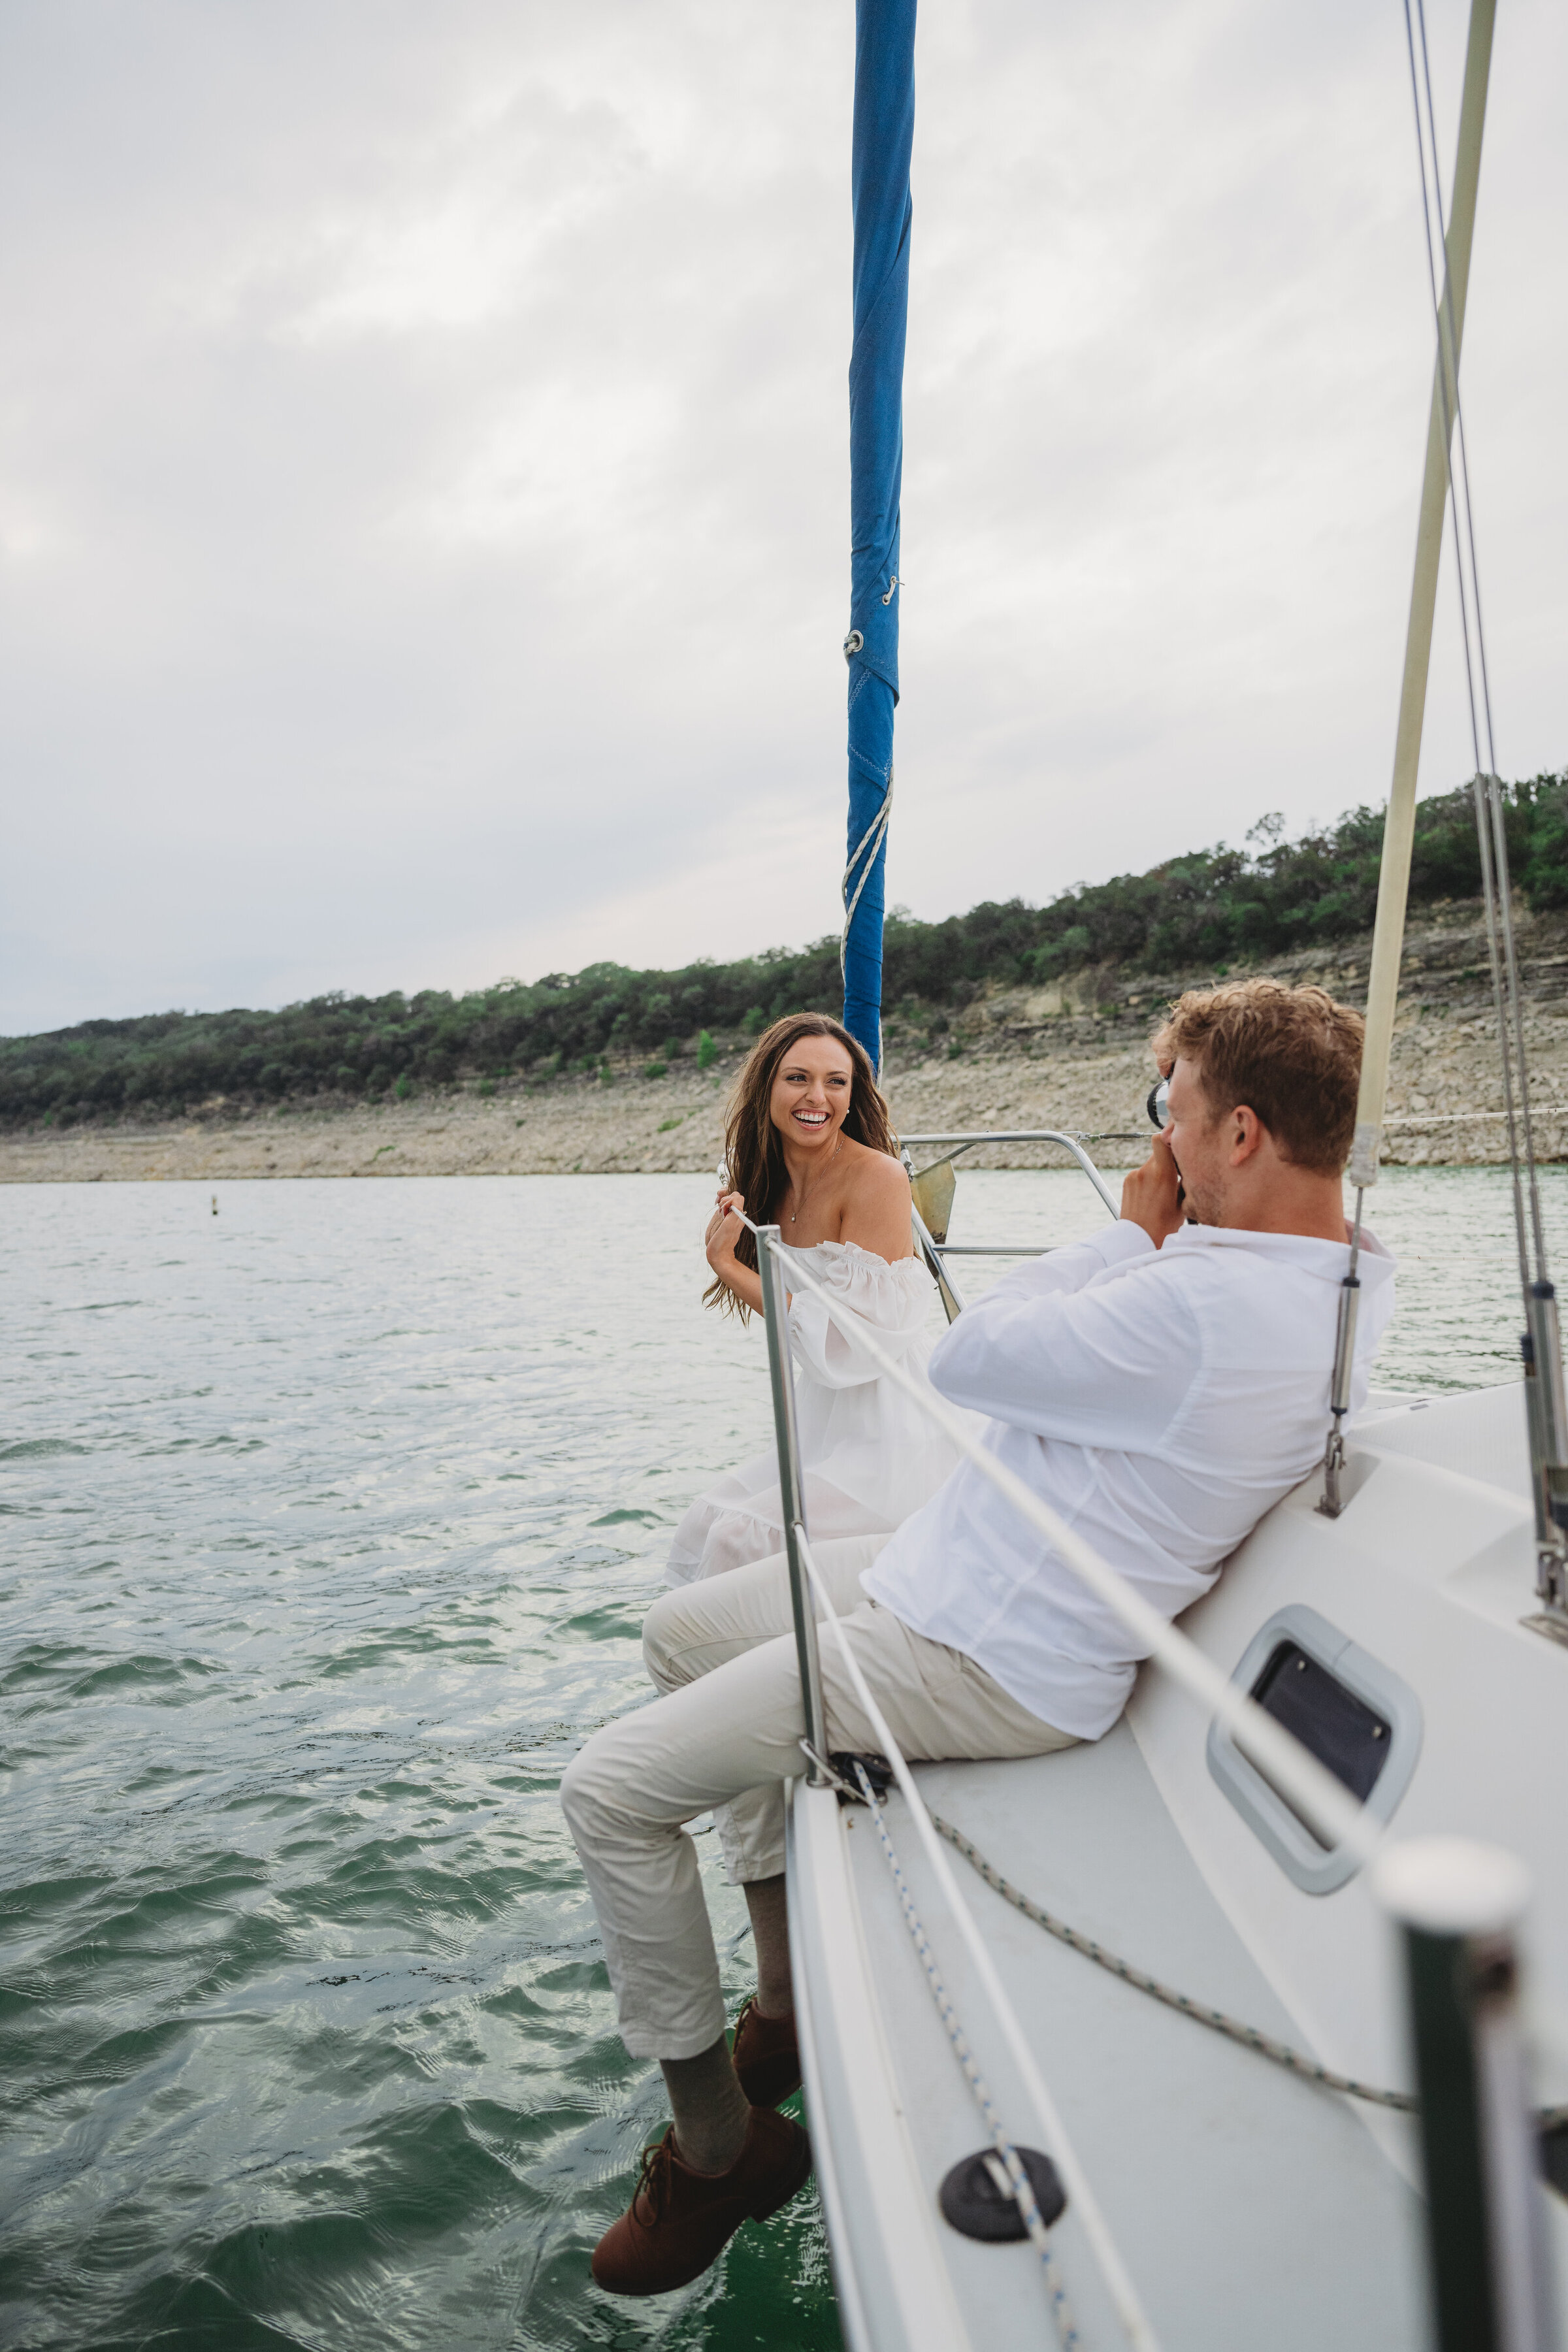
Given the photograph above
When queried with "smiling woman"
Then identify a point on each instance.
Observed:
(807, 1136)
(809, 1148)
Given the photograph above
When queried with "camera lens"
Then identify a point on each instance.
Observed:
(1159, 1104)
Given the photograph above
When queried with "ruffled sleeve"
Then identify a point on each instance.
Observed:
(892, 1301)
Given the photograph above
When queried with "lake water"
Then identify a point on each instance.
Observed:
(328, 1525)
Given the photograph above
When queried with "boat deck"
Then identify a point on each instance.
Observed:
(1249, 2205)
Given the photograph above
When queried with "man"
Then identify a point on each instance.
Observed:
(1162, 1386)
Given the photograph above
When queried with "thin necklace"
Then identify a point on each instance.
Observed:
(831, 1156)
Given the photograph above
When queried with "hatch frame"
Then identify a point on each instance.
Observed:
(1315, 1869)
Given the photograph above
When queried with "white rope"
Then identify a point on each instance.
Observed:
(1007, 2157)
(875, 833)
(1130, 2310)
(1300, 1777)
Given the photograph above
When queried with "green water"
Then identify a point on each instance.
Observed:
(329, 1523)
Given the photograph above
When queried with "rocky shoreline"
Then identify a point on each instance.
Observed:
(1074, 1056)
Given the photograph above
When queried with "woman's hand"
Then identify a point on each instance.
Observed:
(724, 1230)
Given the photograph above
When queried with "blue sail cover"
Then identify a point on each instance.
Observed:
(884, 133)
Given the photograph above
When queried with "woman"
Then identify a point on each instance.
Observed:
(810, 1149)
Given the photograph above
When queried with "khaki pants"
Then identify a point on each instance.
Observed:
(725, 1734)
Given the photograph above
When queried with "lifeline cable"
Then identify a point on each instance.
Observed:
(1113, 2270)
(1322, 1801)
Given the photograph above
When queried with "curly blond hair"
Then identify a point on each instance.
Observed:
(1292, 1054)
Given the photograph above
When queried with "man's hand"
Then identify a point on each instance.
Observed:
(1152, 1195)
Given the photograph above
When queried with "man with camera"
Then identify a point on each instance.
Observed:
(1162, 1386)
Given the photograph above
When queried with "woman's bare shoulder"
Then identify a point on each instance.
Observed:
(875, 1175)
(874, 1204)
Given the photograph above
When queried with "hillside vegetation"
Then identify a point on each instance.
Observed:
(1208, 910)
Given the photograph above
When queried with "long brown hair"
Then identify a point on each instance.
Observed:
(753, 1149)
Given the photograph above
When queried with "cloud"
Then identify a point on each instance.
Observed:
(422, 468)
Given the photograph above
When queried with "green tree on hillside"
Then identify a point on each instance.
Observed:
(1193, 913)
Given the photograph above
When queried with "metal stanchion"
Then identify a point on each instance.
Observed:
(1457, 1906)
(781, 1374)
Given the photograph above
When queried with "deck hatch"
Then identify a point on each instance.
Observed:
(1348, 1737)
(1357, 1717)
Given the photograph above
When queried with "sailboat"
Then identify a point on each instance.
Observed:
(1210, 2033)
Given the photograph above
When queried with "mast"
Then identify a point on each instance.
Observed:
(884, 134)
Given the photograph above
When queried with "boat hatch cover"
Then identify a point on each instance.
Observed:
(1356, 1715)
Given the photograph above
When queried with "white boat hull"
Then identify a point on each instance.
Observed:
(1251, 2208)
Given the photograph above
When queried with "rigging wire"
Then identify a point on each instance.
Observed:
(1491, 826)
(1427, 139)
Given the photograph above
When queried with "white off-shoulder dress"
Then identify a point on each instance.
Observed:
(869, 1454)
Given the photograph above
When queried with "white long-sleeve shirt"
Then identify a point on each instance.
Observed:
(1160, 1400)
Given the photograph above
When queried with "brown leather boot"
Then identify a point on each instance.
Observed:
(680, 2221)
(766, 2057)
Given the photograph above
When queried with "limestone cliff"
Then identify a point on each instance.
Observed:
(1073, 1056)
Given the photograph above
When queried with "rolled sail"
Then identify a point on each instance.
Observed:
(884, 133)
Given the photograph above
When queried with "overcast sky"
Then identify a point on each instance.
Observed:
(423, 475)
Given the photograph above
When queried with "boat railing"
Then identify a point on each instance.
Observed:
(931, 1189)
(1069, 1141)
(1492, 2135)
